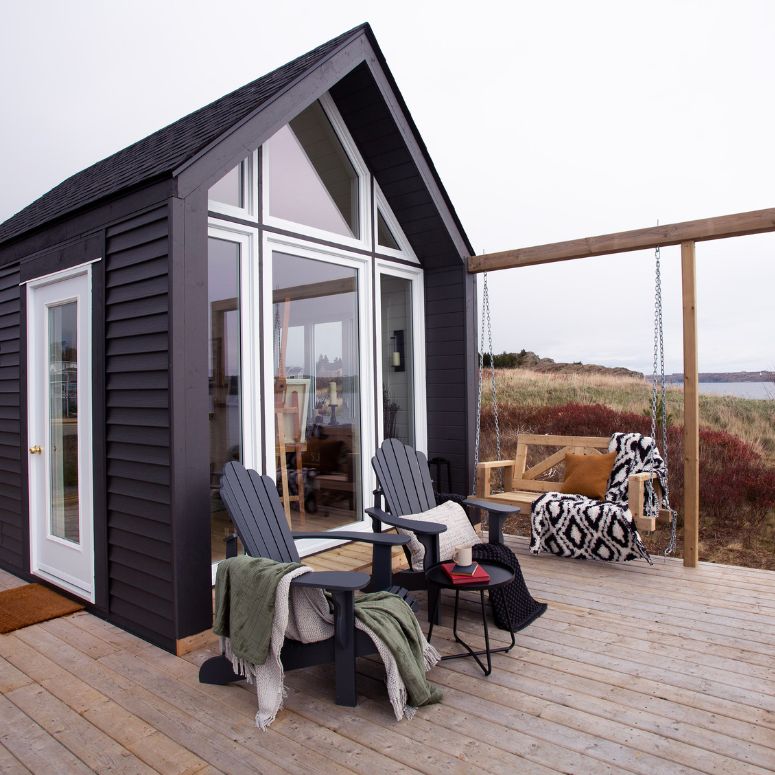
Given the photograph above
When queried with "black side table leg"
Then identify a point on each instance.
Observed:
(513, 639)
(486, 636)
(469, 652)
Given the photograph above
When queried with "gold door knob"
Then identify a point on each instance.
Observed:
(36, 450)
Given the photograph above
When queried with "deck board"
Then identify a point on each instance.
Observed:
(633, 668)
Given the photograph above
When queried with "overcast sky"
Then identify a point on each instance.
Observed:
(546, 121)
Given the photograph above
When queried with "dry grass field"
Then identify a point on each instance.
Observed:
(737, 450)
(751, 420)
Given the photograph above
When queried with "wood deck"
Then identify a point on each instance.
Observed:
(632, 669)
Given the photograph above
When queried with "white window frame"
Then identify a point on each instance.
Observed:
(364, 216)
(304, 249)
(380, 205)
(249, 192)
(415, 276)
(250, 381)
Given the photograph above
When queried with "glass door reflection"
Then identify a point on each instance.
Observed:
(317, 392)
(64, 516)
(224, 377)
(398, 421)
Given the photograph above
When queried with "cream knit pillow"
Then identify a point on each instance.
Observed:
(459, 532)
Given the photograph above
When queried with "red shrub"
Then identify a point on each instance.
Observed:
(737, 487)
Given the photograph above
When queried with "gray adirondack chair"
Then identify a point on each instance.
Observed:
(405, 483)
(254, 506)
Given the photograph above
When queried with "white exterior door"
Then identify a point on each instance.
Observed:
(59, 430)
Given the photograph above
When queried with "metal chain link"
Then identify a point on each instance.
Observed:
(494, 389)
(659, 391)
(486, 325)
(657, 327)
(479, 400)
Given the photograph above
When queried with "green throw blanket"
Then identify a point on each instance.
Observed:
(245, 590)
(391, 620)
(253, 616)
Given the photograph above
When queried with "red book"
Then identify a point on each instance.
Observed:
(479, 576)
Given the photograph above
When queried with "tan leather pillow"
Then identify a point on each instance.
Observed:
(588, 474)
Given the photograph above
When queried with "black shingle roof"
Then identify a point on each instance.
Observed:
(160, 153)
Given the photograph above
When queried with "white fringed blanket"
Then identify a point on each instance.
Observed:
(303, 614)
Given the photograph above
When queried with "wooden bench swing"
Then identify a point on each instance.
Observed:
(686, 234)
(522, 485)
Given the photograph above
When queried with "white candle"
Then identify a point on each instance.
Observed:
(396, 358)
(332, 394)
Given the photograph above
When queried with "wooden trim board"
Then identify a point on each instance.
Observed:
(722, 227)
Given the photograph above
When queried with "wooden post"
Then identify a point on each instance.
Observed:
(691, 408)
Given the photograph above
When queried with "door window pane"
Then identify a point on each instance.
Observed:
(317, 392)
(397, 359)
(311, 179)
(230, 189)
(224, 372)
(63, 421)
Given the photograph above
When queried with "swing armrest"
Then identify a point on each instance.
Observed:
(636, 498)
(483, 475)
(636, 489)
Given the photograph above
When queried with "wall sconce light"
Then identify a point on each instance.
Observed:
(397, 357)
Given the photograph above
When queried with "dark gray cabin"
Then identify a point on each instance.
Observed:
(278, 277)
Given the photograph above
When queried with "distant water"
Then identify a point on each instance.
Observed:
(739, 389)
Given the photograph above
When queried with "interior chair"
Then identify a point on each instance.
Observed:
(254, 506)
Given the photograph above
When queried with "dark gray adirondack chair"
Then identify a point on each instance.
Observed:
(405, 483)
(255, 508)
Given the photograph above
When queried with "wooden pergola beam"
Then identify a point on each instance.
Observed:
(691, 433)
(722, 227)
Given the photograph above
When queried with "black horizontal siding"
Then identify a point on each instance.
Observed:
(446, 367)
(382, 146)
(138, 424)
(12, 536)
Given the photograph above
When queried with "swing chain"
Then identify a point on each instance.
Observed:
(659, 392)
(658, 342)
(479, 401)
(493, 388)
(486, 325)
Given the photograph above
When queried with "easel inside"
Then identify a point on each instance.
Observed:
(290, 434)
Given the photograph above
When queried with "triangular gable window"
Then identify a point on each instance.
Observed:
(230, 189)
(311, 179)
(385, 237)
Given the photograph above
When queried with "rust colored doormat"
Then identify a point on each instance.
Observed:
(30, 604)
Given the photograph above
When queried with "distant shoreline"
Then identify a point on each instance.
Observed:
(730, 376)
(526, 359)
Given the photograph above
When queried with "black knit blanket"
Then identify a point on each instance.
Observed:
(511, 602)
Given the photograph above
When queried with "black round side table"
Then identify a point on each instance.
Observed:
(499, 575)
